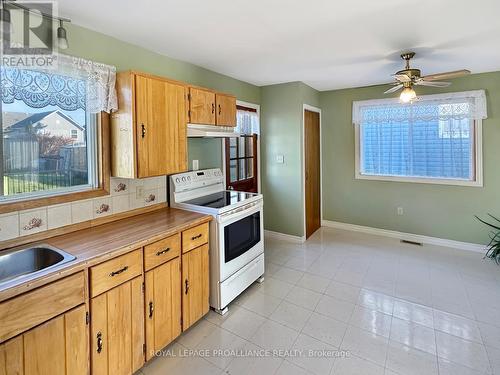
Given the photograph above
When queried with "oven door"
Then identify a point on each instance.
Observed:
(241, 238)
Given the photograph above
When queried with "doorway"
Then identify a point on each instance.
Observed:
(312, 171)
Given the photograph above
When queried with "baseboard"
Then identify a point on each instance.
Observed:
(406, 236)
(283, 236)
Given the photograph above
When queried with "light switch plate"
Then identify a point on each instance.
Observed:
(196, 165)
(280, 159)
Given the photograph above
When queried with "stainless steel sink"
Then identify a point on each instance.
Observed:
(23, 264)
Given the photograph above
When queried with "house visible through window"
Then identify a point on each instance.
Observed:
(48, 135)
(241, 152)
(436, 139)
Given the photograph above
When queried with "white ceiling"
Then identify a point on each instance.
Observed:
(328, 44)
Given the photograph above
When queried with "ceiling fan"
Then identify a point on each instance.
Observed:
(409, 77)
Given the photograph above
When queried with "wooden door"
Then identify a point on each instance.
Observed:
(163, 306)
(312, 171)
(242, 163)
(161, 127)
(195, 285)
(226, 110)
(57, 347)
(201, 106)
(117, 330)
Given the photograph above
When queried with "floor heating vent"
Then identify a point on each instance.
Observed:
(412, 242)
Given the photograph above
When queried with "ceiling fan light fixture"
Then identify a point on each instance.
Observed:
(407, 95)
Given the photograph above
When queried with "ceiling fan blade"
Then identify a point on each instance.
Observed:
(402, 77)
(446, 75)
(393, 89)
(432, 83)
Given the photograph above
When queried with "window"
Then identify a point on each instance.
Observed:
(51, 132)
(436, 139)
(241, 153)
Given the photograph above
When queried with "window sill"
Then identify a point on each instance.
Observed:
(26, 204)
(420, 180)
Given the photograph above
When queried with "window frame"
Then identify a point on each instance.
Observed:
(477, 154)
(102, 148)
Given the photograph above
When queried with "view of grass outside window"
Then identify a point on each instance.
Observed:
(47, 136)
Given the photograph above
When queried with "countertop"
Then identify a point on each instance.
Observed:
(97, 244)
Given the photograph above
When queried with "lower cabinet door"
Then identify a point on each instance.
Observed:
(117, 326)
(57, 347)
(163, 306)
(195, 285)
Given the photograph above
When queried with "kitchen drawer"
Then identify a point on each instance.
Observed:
(30, 309)
(162, 251)
(194, 237)
(114, 272)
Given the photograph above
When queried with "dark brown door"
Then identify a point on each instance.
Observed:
(241, 163)
(312, 172)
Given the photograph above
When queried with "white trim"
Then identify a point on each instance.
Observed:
(283, 236)
(406, 236)
(478, 166)
(303, 162)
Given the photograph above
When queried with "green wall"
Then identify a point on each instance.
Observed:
(281, 130)
(102, 48)
(434, 210)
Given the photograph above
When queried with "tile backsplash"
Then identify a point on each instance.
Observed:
(125, 195)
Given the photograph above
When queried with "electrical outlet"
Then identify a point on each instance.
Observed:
(139, 192)
(196, 165)
(400, 211)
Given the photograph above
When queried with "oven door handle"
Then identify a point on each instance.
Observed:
(239, 213)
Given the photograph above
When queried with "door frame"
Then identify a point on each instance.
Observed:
(223, 146)
(307, 107)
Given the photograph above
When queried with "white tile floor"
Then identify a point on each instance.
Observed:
(397, 309)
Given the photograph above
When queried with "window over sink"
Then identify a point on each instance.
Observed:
(51, 136)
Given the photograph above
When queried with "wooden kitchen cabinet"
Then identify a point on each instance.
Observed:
(195, 285)
(117, 329)
(201, 106)
(57, 347)
(226, 109)
(163, 306)
(149, 130)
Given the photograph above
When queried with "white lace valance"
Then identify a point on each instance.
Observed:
(71, 83)
(458, 105)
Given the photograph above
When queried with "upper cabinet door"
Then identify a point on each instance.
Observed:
(201, 106)
(226, 110)
(161, 127)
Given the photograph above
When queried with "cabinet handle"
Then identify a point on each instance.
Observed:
(99, 342)
(119, 271)
(213, 108)
(163, 251)
(151, 309)
(196, 237)
(186, 283)
(143, 130)
(220, 109)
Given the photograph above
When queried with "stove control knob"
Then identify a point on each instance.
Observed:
(177, 180)
(189, 178)
(183, 179)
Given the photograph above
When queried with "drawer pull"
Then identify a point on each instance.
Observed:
(119, 271)
(151, 309)
(99, 342)
(163, 251)
(187, 286)
(196, 237)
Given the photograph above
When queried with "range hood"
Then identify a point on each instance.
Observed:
(210, 131)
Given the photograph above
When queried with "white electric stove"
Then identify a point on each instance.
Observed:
(236, 233)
